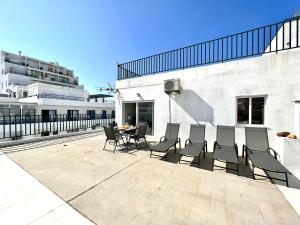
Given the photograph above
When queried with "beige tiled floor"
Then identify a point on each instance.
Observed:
(131, 188)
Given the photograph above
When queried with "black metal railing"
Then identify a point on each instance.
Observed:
(267, 39)
(17, 126)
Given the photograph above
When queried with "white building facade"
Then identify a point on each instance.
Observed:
(231, 86)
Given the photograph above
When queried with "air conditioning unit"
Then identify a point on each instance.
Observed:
(172, 86)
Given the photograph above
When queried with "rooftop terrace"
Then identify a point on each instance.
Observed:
(128, 187)
(272, 38)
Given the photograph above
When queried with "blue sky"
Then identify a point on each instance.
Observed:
(92, 36)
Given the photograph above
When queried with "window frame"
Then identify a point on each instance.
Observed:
(104, 114)
(250, 97)
(91, 114)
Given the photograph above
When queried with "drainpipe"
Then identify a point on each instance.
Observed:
(170, 109)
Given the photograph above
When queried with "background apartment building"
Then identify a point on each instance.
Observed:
(31, 86)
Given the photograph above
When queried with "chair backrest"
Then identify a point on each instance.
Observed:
(226, 136)
(257, 138)
(142, 130)
(197, 133)
(113, 124)
(141, 123)
(109, 132)
(172, 131)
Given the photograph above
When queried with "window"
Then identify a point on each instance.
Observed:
(90, 114)
(29, 110)
(48, 115)
(250, 110)
(104, 114)
(15, 110)
(258, 105)
(4, 110)
(73, 114)
(243, 110)
(113, 114)
(25, 94)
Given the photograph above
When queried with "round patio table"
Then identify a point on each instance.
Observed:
(126, 132)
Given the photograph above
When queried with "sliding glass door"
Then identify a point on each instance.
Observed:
(139, 112)
(145, 115)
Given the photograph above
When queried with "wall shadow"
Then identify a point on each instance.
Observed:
(195, 106)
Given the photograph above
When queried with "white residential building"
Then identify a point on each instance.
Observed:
(44, 88)
(247, 79)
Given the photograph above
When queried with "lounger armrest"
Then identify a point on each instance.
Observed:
(179, 141)
(162, 139)
(236, 149)
(215, 145)
(275, 153)
(205, 145)
(187, 142)
(244, 150)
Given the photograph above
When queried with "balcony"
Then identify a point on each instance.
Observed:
(272, 38)
(60, 97)
(35, 74)
(55, 73)
(14, 61)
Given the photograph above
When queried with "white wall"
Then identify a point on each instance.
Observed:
(64, 109)
(41, 88)
(62, 106)
(209, 94)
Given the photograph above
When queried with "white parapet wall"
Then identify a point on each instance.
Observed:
(209, 94)
(289, 151)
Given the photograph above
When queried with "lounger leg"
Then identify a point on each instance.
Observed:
(150, 153)
(125, 145)
(213, 163)
(246, 159)
(286, 178)
(180, 144)
(199, 160)
(104, 145)
(179, 158)
(253, 175)
(136, 145)
(237, 166)
(115, 146)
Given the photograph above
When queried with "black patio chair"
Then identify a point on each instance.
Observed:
(140, 134)
(111, 136)
(195, 144)
(225, 148)
(168, 141)
(258, 152)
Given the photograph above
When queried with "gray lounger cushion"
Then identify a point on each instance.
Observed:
(266, 161)
(225, 148)
(257, 139)
(163, 146)
(226, 154)
(192, 150)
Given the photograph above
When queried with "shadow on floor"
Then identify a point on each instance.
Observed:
(244, 171)
(207, 164)
(294, 182)
(42, 143)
